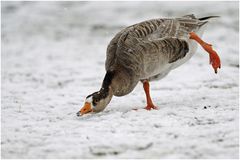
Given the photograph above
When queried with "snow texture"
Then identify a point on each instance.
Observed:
(53, 56)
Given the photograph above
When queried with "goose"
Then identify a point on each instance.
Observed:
(148, 51)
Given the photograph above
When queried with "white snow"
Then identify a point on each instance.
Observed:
(53, 56)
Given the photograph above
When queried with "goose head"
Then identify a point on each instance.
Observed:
(96, 102)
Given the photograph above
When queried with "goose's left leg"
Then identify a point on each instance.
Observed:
(214, 58)
(150, 104)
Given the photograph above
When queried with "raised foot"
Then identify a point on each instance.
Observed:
(214, 58)
(149, 107)
(214, 61)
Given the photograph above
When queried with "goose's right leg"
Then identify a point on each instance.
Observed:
(150, 104)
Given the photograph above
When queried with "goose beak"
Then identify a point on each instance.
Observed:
(85, 109)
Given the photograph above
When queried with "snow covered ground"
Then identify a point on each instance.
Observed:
(53, 56)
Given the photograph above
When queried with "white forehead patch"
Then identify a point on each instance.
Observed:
(89, 99)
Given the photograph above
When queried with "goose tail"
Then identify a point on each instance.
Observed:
(205, 20)
(208, 18)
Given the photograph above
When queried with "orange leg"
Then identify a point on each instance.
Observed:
(147, 92)
(214, 58)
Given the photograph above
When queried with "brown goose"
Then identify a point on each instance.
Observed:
(148, 51)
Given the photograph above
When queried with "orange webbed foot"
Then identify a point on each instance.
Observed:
(149, 107)
(215, 61)
(214, 58)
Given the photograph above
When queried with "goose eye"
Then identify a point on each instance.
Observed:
(94, 102)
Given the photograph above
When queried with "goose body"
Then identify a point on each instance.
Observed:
(148, 51)
(151, 49)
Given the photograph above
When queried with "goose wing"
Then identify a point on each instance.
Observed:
(163, 50)
(155, 31)
(145, 57)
